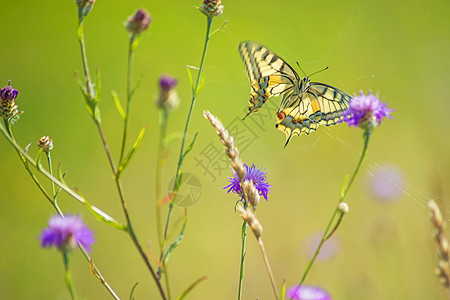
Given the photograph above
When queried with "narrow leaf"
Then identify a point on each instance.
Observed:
(38, 159)
(283, 290)
(132, 290)
(188, 68)
(87, 98)
(201, 84)
(138, 83)
(191, 287)
(98, 85)
(127, 158)
(118, 105)
(344, 185)
(189, 148)
(177, 241)
(104, 217)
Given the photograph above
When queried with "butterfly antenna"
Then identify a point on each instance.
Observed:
(318, 71)
(301, 68)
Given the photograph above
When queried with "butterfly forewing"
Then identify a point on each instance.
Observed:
(268, 73)
(301, 109)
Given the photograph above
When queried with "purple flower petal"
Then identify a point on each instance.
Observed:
(257, 176)
(65, 233)
(366, 111)
(307, 293)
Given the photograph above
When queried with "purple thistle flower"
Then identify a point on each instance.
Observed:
(366, 111)
(66, 232)
(8, 93)
(138, 22)
(168, 98)
(257, 176)
(167, 82)
(307, 293)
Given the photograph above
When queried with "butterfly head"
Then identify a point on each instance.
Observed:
(303, 84)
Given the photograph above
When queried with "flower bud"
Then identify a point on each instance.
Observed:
(46, 144)
(8, 107)
(138, 22)
(168, 97)
(211, 8)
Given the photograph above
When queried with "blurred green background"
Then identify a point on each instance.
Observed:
(382, 250)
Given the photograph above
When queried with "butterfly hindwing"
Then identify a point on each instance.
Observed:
(267, 72)
(304, 105)
(321, 104)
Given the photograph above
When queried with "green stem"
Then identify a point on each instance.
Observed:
(50, 169)
(328, 233)
(84, 55)
(180, 158)
(69, 284)
(127, 112)
(164, 115)
(26, 159)
(115, 170)
(241, 269)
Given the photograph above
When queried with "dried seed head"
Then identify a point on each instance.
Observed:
(251, 193)
(45, 143)
(443, 270)
(228, 141)
(138, 22)
(248, 216)
(211, 8)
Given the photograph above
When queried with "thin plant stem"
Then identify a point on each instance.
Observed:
(328, 233)
(26, 159)
(181, 156)
(164, 115)
(242, 269)
(87, 75)
(50, 169)
(69, 284)
(127, 112)
(269, 269)
(115, 170)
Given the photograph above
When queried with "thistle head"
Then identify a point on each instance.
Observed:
(366, 111)
(46, 144)
(65, 233)
(168, 97)
(8, 107)
(211, 8)
(138, 22)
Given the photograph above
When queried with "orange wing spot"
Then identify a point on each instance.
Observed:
(251, 100)
(295, 120)
(281, 115)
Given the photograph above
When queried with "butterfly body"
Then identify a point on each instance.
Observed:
(304, 104)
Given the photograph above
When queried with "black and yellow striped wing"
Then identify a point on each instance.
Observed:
(304, 105)
(320, 104)
(268, 74)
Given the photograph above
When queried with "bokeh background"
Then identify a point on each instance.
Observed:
(383, 249)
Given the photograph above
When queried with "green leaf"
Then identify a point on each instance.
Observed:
(132, 290)
(189, 148)
(177, 241)
(201, 84)
(98, 85)
(38, 159)
(104, 217)
(89, 103)
(191, 287)
(188, 68)
(283, 290)
(344, 185)
(118, 105)
(138, 83)
(127, 158)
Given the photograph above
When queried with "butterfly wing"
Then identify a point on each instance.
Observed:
(320, 104)
(267, 72)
